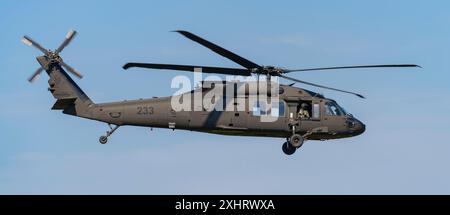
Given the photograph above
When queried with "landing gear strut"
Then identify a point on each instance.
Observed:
(104, 139)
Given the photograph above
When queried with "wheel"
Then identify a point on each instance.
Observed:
(288, 149)
(296, 140)
(103, 139)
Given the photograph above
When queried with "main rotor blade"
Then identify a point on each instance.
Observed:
(35, 75)
(30, 42)
(205, 69)
(71, 70)
(316, 85)
(221, 51)
(352, 67)
(66, 42)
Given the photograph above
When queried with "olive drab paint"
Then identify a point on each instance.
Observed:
(244, 107)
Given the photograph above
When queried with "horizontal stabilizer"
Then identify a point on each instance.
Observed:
(62, 104)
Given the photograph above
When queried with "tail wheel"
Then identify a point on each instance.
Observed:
(296, 141)
(103, 139)
(288, 149)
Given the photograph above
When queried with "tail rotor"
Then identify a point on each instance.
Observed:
(52, 55)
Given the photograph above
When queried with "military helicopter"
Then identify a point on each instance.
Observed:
(300, 114)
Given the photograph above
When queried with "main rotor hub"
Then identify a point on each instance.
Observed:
(272, 71)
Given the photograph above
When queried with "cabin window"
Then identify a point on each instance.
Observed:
(278, 111)
(259, 108)
(332, 109)
(316, 111)
(262, 108)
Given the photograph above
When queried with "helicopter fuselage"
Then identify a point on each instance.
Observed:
(327, 119)
(290, 112)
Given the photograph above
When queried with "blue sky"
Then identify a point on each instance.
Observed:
(405, 149)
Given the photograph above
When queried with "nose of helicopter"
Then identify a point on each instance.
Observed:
(359, 127)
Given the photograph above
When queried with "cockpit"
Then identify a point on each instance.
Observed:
(333, 109)
(354, 126)
(308, 110)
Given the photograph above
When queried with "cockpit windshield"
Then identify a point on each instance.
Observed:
(343, 110)
(333, 109)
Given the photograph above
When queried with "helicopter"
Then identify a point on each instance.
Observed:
(298, 114)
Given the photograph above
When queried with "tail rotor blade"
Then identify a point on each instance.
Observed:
(321, 86)
(66, 42)
(30, 42)
(72, 70)
(35, 75)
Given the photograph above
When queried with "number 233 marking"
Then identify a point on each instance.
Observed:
(144, 110)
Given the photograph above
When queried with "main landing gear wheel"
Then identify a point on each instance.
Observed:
(296, 141)
(288, 149)
(103, 139)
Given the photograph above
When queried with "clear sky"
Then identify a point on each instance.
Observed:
(405, 149)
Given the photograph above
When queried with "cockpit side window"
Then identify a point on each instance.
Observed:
(332, 109)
